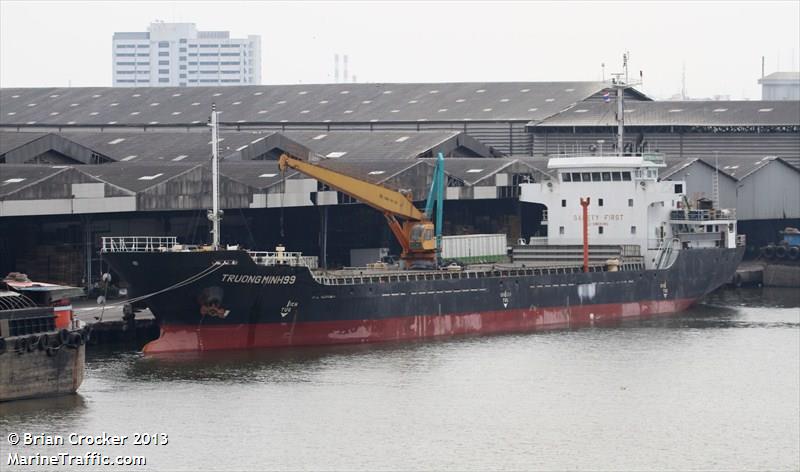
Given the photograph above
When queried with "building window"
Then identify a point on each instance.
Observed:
(561, 230)
(192, 63)
(235, 54)
(599, 230)
(182, 50)
(132, 63)
(678, 188)
(163, 44)
(182, 67)
(182, 76)
(633, 229)
(209, 46)
(163, 80)
(125, 54)
(163, 63)
(182, 41)
(599, 202)
(163, 71)
(230, 63)
(630, 202)
(123, 46)
(144, 54)
(563, 203)
(163, 53)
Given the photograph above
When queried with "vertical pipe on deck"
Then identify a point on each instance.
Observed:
(585, 205)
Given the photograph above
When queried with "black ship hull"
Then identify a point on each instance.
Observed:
(224, 300)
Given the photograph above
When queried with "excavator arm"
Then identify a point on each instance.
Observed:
(377, 196)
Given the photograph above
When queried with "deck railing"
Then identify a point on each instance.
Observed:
(703, 215)
(268, 258)
(139, 243)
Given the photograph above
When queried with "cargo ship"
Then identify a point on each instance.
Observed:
(620, 244)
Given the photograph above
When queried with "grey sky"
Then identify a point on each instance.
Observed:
(62, 43)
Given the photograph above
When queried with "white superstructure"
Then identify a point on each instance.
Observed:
(177, 54)
(628, 204)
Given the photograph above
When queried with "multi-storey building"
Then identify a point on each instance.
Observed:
(177, 54)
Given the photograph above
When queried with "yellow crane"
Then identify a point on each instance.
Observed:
(415, 233)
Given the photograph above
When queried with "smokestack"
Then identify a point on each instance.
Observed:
(345, 69)
(336, 68)
(762, 67)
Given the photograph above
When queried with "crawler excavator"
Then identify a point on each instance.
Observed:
(419, 238)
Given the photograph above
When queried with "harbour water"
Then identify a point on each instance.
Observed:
(716, 388)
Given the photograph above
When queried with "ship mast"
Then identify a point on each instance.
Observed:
(215, 215)
(620, 82)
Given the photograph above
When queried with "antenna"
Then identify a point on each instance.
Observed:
(215, 214)
(683, 81)
(336, 68)
(715, 183)
(620, 85)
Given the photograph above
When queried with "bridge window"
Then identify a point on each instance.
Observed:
(563, 203)
(678, 188)
(595, 176)
(616, 176)
(576, 176)
(566, 177)
(626, 176)
(606, 176)
(586, 176)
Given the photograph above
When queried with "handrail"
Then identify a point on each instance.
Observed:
(138, 243)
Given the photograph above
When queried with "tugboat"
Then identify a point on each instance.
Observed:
(620, 244)
(40, 354)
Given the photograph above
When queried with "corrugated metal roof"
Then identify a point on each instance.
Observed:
(793, 76)
(13, 140)
(256, 174)
(371, 170)
(136, 177)
(387, 144)
(685, 113)
(162, 147)
(337, 103)
(14, 177)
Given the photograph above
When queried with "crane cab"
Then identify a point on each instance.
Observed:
(421, 236)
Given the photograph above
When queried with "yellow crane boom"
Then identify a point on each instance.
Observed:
(374, 195)
(415, 234)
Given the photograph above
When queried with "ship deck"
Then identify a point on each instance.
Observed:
(367, 275)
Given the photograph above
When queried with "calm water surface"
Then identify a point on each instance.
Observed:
(717, 388)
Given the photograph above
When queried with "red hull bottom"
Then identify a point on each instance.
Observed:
(176, 338)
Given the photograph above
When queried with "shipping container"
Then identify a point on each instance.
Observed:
(474, 247)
